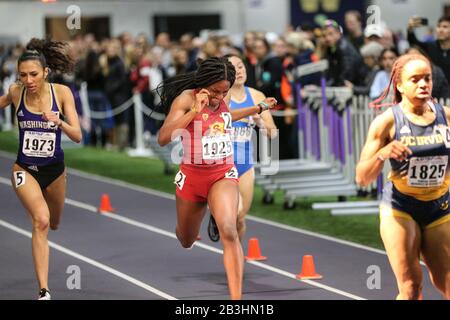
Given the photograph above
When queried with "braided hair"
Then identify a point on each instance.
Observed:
(210, 71)
(49, 53)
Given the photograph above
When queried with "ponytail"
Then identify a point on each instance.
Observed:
(49, 53)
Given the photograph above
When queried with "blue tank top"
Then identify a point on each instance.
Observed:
(427, 169)
(39, 140)
(242, 131)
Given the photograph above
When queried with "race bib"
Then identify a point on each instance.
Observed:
(232, 173)
(242, 134)
(217, 147)
(427, 171)
(39, 144)
(226, 116)
(179, 180)
(19, 178)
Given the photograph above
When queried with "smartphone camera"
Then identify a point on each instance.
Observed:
(422, 21)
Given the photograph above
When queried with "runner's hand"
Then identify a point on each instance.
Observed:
(51, 116)
(395, 150)
(201, 100)
(272, 102)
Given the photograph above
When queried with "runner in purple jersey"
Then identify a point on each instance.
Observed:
(43, 111)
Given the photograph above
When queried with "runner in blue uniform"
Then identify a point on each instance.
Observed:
(242, 96)
(44, 110)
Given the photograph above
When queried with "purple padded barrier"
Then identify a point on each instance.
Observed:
(340, 120)
(308, 116)
(329, 124)
(315, 135)
(335, 130)
(325, 106)
(327, 115)
(301, 118)
(349, 130)
(300, 108)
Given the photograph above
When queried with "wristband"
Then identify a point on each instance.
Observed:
(263, 106)
(194, 109)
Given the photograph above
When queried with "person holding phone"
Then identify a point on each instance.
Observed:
(198, 112)
(439, 50)
(44, 111)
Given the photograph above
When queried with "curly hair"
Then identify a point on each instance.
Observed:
(49, 53)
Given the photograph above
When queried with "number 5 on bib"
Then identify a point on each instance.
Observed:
(19, 178)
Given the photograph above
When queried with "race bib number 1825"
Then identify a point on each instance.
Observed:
(427, 171)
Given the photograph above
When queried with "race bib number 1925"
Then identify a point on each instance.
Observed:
(217, 147)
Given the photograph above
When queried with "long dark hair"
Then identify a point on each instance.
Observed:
(210, 71)
(49, 53)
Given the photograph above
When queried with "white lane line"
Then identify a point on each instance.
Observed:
(313, 234)
(118, 217)
(310, 282)
(5, 181)
(122, 184)
(92, 262)
(169, 196)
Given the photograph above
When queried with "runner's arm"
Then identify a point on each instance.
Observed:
(238, 114)
(182, 112)
(265, 120)
(7, 98)
(379, 147)
(71, 127)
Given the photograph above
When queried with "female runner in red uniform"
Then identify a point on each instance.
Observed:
(200, 115)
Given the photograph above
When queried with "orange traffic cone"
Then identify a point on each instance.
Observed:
(308, 269)
(254, 253)
(105, 204)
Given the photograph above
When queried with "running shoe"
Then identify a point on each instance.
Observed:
(213, 231)
(44, 294)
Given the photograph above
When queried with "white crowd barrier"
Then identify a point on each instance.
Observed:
(141, 149)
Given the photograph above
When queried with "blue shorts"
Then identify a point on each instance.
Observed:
(427, 214)
(243, 168)
(243, 156)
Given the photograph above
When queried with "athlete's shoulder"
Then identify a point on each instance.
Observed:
(14, 92)
(61, 89)
(447, 112)
(184, 100)
(257, 95)
(15, 89)
(187, 95)
(384, 120)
